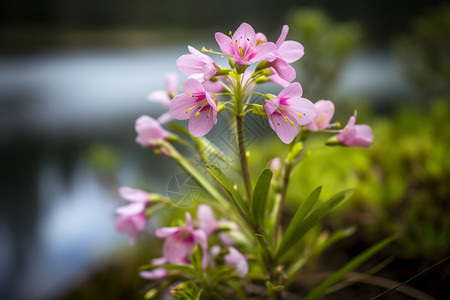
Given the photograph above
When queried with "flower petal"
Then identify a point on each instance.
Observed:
(262, 51)
(131, 209)
(171, 82)
(164, 118)
(166, 231)
(159, 96)
(284, 70)
(134, 194)
(224, 43)
(291, 91)
(180, 106)
(291, 51)
(193, 86)
(285, 131)
(304, 108)
(202, 123)
(282, 38)
(245, 34)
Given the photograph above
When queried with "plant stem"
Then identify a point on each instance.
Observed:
(243, 156)
(287, 174)
(241, 137)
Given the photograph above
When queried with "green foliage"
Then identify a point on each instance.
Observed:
(354, 263)
(260, 195)
(305, 218)
(328, 45)
(425, 53)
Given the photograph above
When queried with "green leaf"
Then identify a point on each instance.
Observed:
(273, 289)
(221, 275)
(354, 263)
(303, 222)
(260, 194)
(290, 237)
(197, 257)
(220, 177)
(151, 293)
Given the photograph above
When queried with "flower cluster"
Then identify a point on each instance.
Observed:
(207, 245)
(200, 101)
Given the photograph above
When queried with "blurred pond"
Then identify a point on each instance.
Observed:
(57, 214)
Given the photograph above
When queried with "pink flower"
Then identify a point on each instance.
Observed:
(277, 79)
(206, 219)
(355, 135)
(196, 105)
(164, 97)
(132, 218)
(286, 52)
(158, 273)
(213, 87)
(149, 131)
(244, 46)
(235, 259)
(288, 111)
(197, 65)
(324, 114)
(180, 241)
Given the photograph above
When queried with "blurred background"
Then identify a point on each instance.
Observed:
(74, 76)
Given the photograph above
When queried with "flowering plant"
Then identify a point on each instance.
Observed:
(240, 242)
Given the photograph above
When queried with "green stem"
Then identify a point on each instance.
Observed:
(197, 176)
(287, 174)
(241, 137)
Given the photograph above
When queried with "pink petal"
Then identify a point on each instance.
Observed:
(284, 70)
(363, 136)
(285, 131)
(262, 51)
(177, 250)
(260, 38)
(224, 43)
(201, 124)
(188, 224)
(171, 83)
(180, 105)
(131, 209)
(292, 90)
(149, 130)
(278, 80)
(164, 118)
(304, 107)
(324, 114)
(134, 194)
(155, 274)
(213, 87)
(189, 64)
(271, 106)
(159, 96)
(193, 86)
(245, 34)
(166, 231)
(291, 51)
(234, 259)
(131, 225)
(206, 219)
(284, 32)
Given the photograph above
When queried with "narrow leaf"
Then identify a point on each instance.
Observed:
(354, 263)
(290, 237)
(260, 194)
(302, 226)
(220, 177)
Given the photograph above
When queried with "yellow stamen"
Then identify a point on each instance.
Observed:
(300, 115)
